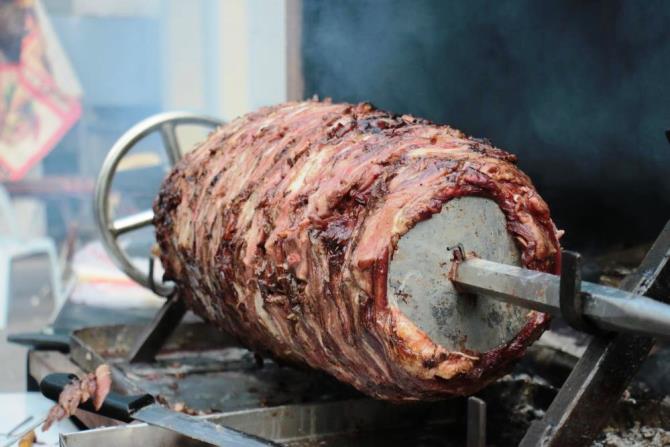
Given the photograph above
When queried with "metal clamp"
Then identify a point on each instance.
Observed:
(571, 295)
(110, 230)
(458, 252)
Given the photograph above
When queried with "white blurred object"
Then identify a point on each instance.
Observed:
(100, 283)
(20, 411)
(231, 54)
(13, 246)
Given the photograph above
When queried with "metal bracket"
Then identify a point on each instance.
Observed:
(164, 323)
(155, 335)
(583, 404)
(571, 293)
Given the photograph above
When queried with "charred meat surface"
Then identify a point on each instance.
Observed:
(279, 229)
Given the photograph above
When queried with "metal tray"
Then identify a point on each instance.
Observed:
(360, 422)
(512, 403)
(212, 375)
(209, 373)
(203, 369)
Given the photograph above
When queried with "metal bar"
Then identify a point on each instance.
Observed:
(19, 425)
(13, 439)
(155, 335)
(607, 307)
(583, 404)
(132, 222)
(626, 312)
(522, 287)
(169, 136)
(476, 422)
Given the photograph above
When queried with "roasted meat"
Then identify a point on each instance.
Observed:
(279, 229)
(95, 386)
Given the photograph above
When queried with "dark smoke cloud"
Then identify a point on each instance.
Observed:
(578, 89)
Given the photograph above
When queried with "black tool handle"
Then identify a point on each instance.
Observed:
(42, 342)
(115, 406)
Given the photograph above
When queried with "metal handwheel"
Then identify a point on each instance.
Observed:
(111, 229)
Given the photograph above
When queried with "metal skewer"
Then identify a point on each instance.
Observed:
(607, 308)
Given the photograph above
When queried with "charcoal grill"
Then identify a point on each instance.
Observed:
(211, 376)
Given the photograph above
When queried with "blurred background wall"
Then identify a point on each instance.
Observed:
(577, 89)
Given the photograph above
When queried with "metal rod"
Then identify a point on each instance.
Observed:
(583, 404)
(132, 222)
(476, 422)
(607, 307)
(13, 439)
(19, 425)
(169, 136)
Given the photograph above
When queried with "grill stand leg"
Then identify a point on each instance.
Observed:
(158, 331)
(581, 407)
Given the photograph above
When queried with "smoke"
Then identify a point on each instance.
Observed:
(579, 90)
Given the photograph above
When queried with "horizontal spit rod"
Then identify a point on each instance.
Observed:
(607, 307)
(132, 222)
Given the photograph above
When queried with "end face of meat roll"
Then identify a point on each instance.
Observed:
(286, 229)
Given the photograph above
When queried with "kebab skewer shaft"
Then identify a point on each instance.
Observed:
(607, 308)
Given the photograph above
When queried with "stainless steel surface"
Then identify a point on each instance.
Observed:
(360, 422)
(419, 285)
(294, 423)
(519, 286)
(132, 222)
(110, 229)
(609, 308)
(200, 429)
(135, 435)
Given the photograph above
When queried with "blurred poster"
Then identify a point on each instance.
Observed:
(39, 92)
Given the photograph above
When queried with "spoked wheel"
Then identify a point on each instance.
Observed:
(111, 228)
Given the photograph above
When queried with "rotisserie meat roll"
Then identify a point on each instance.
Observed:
(280, 228)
